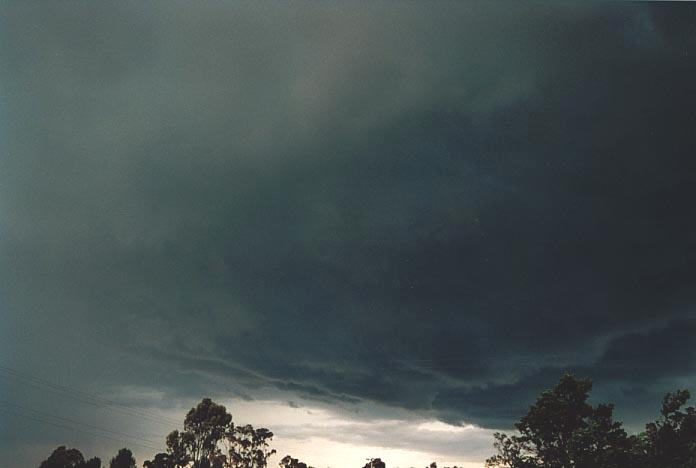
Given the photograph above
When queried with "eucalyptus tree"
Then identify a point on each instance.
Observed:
(123, 459)
(63, 457)
(562, 430)
(249, 447)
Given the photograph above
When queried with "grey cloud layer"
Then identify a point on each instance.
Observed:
(437, 208)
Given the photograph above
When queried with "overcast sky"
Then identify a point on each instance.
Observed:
(379, 229)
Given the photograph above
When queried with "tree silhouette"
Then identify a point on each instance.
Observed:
(561, 430)
(289, 462)
(249, 447)
(123, 459)
(434, 465)
(93, 462)
(180, 447)
(205, 426)
(375, 463)
(161, 460)
(69, 458)
(671, 440)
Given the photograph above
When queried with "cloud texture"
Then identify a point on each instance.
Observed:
(434, 208)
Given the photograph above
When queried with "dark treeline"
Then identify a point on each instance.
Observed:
(561, 430)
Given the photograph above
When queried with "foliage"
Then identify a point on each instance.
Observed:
(249, 447)
(69, 458)
(289, 462)
(671, 440)
(123, 459)
(180, 447)
(204, 427)
(561, 430)
(375, 463)
(161, 460)
(208, 428)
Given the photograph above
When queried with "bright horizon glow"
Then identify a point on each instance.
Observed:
(322, 438)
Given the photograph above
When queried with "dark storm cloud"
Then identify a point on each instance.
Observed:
(434, 208)
(635, 369)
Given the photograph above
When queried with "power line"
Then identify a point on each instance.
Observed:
(63, 426)
(97, 405)
(97, 398)
(72, 421)
(85, 397)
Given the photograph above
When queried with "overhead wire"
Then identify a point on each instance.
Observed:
(86, 397)
(77, 429)
(72, 421)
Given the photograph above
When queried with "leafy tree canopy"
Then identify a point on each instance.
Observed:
(671, 440)
(124, 459)
(289, 462)
(63, 457)
(375, 463)
(562, 430)
(250, 447)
